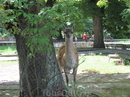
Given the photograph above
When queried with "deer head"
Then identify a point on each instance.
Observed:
(69, 32)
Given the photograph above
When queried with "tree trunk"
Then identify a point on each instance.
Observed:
(98, 33)
(39, 75)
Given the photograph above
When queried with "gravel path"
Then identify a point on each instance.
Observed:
(9, 73)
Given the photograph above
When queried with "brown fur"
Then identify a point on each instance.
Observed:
(60, 55)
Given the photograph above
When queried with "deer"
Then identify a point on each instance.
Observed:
(68, 56)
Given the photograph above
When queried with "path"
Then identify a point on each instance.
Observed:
(80, 52)
(103, 51)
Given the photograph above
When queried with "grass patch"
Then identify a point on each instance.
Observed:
(122, 40)
(8, 50)
(120, 91)
(101, 65)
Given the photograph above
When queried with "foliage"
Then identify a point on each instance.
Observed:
(4, 32)
(102, 3)
(127, 62)
(70, 11)
(89, 25)
(90, 8)
(114, 12)
(126, 15)
(113, 19)
(49, 19)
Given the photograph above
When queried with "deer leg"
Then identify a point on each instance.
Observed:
(74, 74)
(66, 76)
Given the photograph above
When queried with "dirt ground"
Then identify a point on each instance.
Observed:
(100, 85)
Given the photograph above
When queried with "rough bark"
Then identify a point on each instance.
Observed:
(98, 32)
(40, 75)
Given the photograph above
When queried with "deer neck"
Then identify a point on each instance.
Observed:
(69, 46)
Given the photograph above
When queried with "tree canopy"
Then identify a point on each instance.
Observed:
(65, 10)
(113, 19)
(115, 14)
(53, 17)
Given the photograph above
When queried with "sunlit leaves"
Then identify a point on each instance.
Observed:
(46, 21)
(3, 15)
(102, 3)
(126, 15)
(39, 43)
(70, 12)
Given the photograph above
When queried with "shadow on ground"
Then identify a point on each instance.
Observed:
(100, 85)
(9, 89)
(105, 85)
